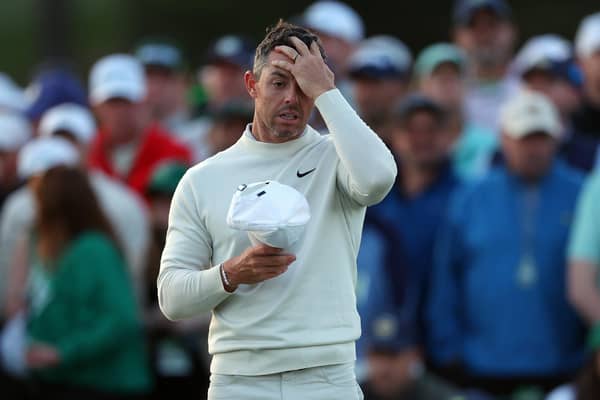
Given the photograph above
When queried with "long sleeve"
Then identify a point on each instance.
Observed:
(585, 236)
(367, 169)
(186, 284)
(443, 315)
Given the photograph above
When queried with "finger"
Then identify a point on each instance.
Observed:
(272, 261)
(283, 65)
(287, 51)
(300, 46)
(266, 249)
(314, 49)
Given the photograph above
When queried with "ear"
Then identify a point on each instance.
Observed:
(250, 82)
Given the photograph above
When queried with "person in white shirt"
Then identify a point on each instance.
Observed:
(284, 321)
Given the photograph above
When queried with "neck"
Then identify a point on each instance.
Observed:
(490, 72)
(415, 178)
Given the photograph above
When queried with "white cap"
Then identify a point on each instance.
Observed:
(272, 213)
(70, 117)
(12, 97)
(335, 18)
(529, 112)
(117, 75)
(41, 154)
(587, 38)
(15, 131)
(540, 52)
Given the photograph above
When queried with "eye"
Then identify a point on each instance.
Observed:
(278, 84)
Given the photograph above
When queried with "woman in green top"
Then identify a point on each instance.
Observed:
(85, 336)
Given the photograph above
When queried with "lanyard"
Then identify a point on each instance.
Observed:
(527, 271)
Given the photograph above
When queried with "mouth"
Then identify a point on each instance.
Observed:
(289, 116)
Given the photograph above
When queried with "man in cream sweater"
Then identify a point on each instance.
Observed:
(284, 322)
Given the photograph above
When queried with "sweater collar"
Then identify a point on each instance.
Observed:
(249, 143)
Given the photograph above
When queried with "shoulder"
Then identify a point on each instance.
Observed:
(569, 176)
(91, 245)
(158, 136)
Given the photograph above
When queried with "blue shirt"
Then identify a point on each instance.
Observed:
(498, 301)
(414, 222)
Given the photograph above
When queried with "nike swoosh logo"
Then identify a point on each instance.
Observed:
(303, 174)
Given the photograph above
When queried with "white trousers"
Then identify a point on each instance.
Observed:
(332, 382)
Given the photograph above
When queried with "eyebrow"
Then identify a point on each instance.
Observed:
(279, 74)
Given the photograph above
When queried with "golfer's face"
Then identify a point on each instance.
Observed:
(283, 108)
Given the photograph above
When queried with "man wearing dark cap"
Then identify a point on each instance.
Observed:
(221, 76)
(483, 29)
(379, 71)
(166, 84)
(51, 87)
(414, 207)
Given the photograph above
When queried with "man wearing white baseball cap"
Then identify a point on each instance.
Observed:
(501, 261)
(284, 321)
(128, 144)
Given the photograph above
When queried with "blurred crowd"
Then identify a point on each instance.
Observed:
(478, 275)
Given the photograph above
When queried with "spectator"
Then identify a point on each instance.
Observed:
(380, 279)
(584, 257)
(84, 331)
(484, 30)
(227, 59)
(545, 64)
(498, 310)
(122, 206)
(50, 87)
(586, 125)
(380, 72)
(396, 367)
(12, 97)
(228, 123)
(440, 71)
(15, 131)
(587, 384)
(340, 28)
(128, 145)
(166, 83)
(171, 341)
(415, 205)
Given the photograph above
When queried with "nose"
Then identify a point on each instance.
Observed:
(291, 95)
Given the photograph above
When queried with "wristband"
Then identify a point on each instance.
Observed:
(224, 275)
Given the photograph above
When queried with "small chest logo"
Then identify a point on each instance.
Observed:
(303, 174)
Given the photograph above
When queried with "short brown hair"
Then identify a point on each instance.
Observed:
(279, 35)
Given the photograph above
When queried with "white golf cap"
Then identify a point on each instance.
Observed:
(41, 154)
(336, 19)
(540, 52)
(117, 76)
(69, 117)
(12, 97)
(272, 213)
(587, 38)
(529, 112)
(15, 131)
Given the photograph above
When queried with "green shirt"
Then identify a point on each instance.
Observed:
(585, 237)
(85, 307)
